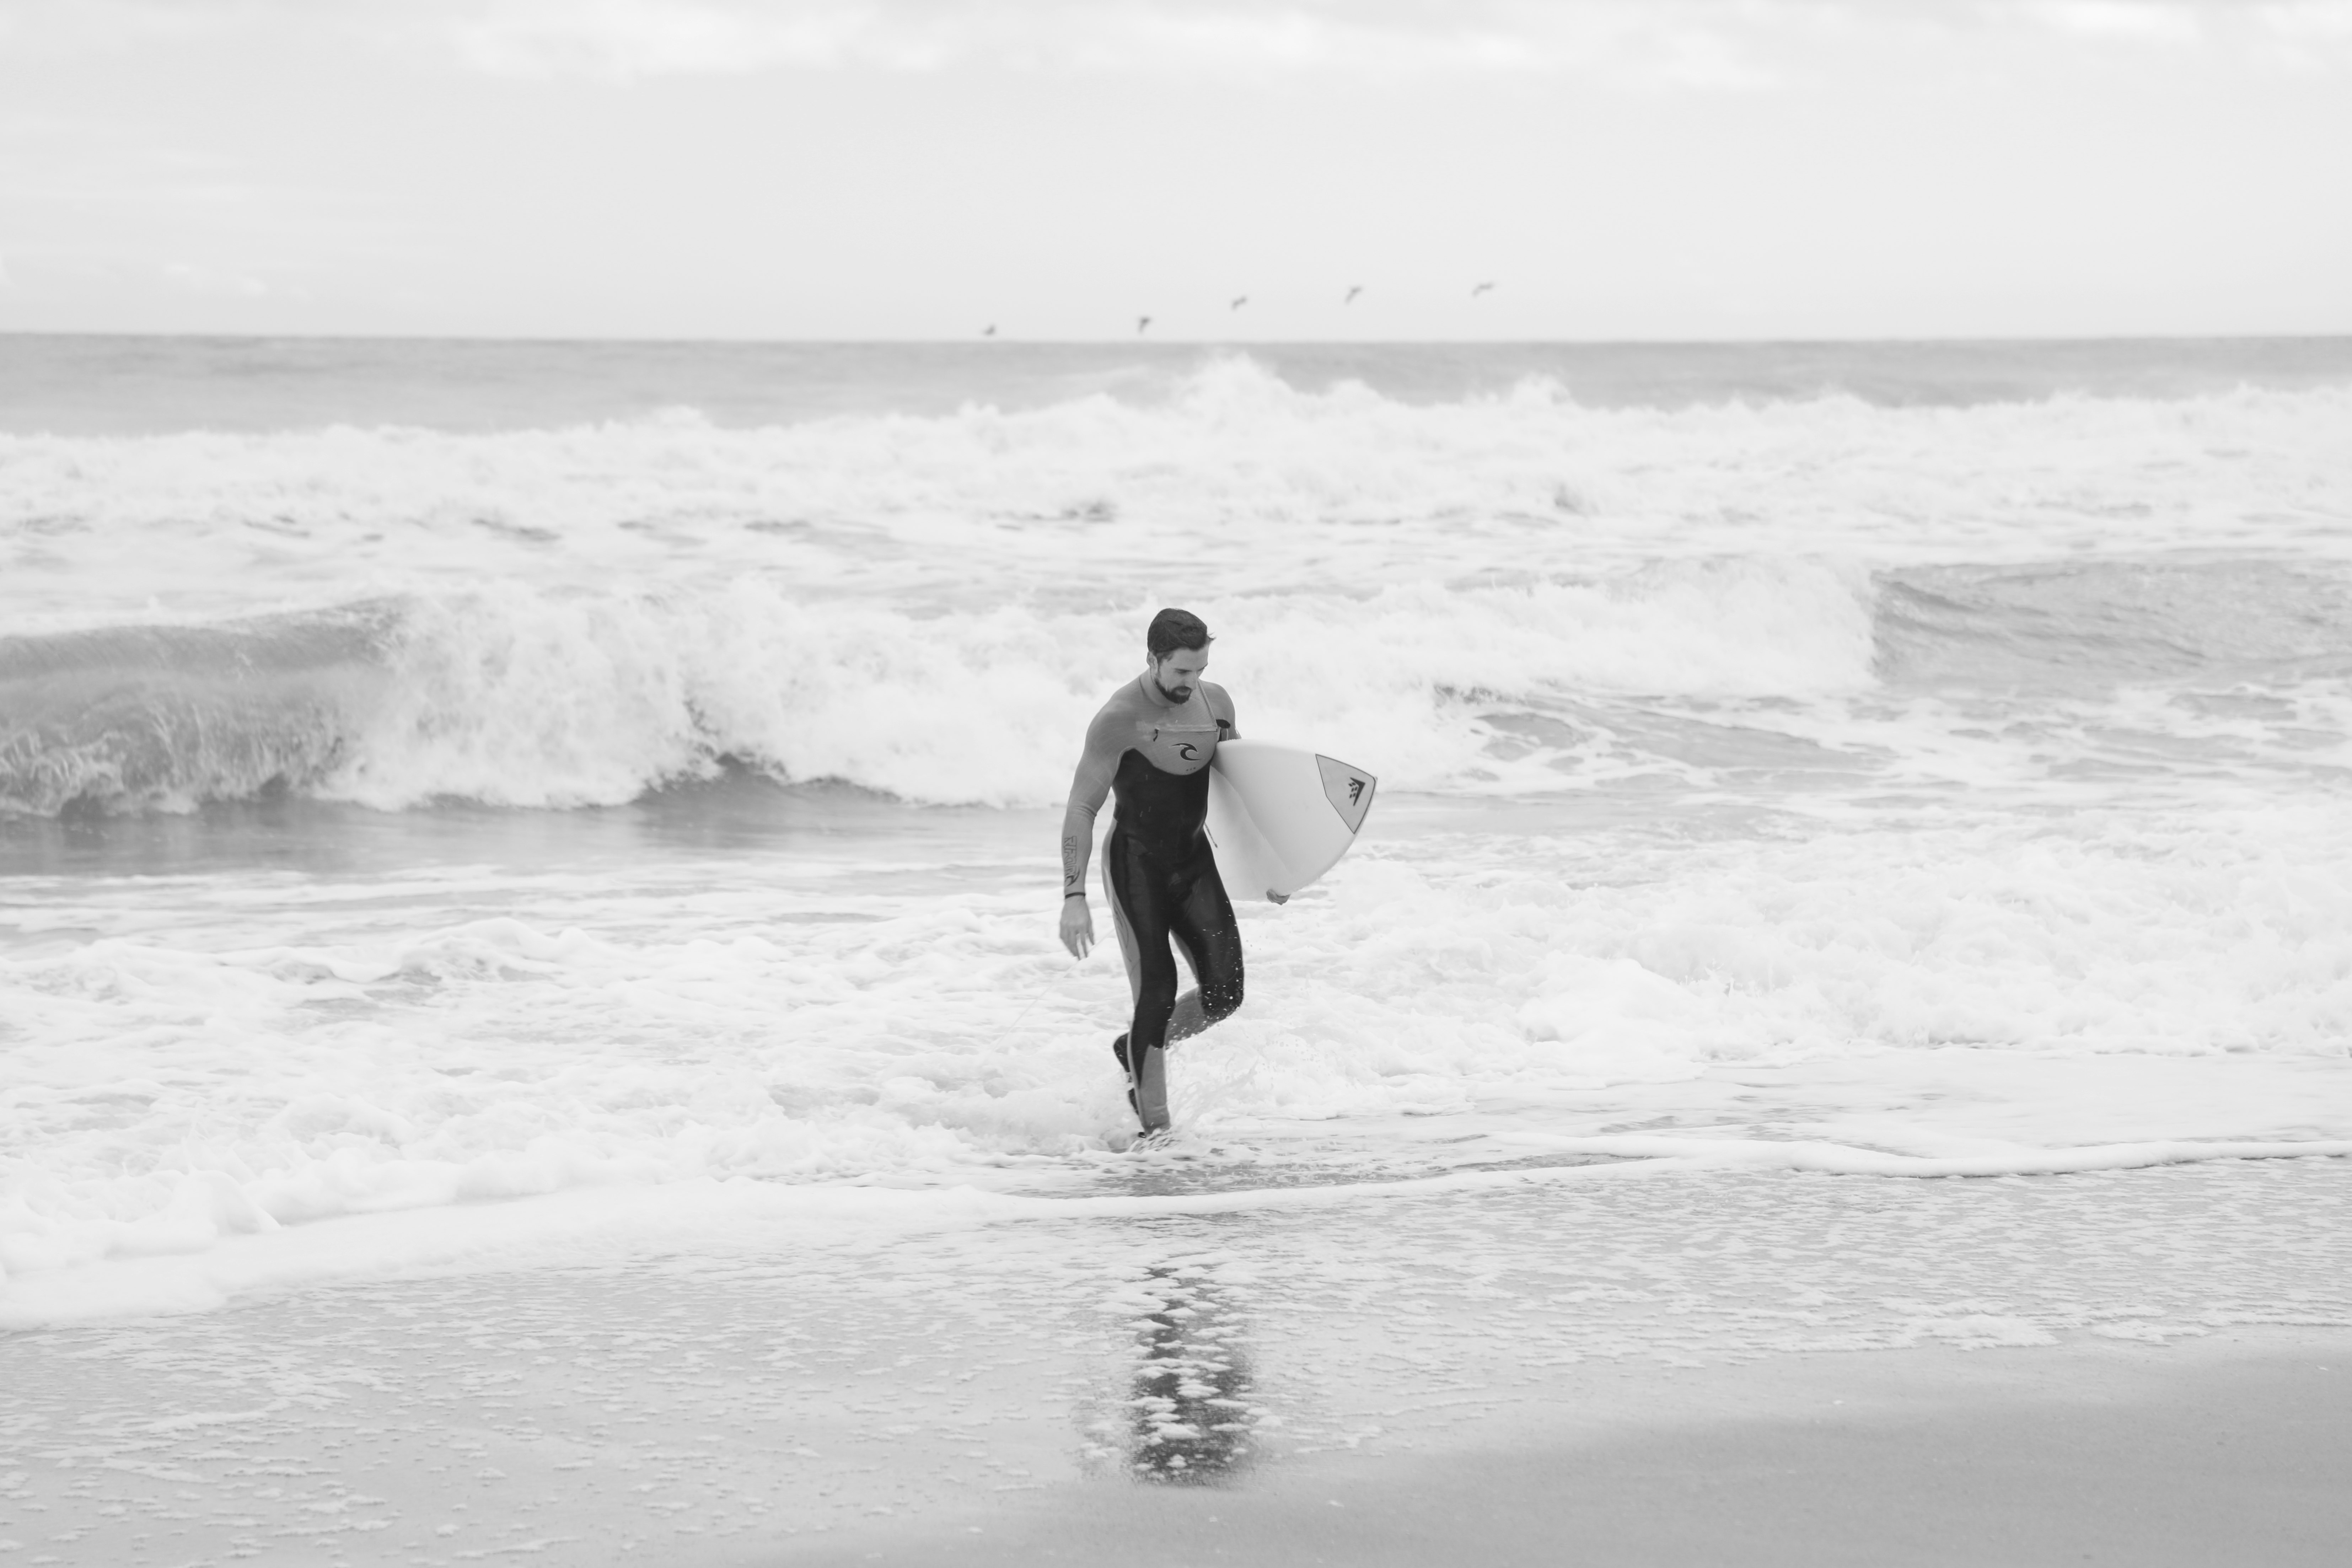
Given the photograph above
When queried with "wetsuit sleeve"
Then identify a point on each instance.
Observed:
(1089, 787)
(1220, 705)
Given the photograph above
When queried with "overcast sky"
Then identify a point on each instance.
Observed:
(919, 168)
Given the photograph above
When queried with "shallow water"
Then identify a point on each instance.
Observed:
(1882, 759)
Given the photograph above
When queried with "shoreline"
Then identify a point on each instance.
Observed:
(249, 1263)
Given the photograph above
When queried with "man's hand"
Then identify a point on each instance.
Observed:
(1077, 926)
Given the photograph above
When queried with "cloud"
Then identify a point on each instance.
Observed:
(2307, 36)
(194, 280)
(1688, 42)
(2329, 21)
(2139, 21)
(1674, 43)
(622, 38)
(1692, 44)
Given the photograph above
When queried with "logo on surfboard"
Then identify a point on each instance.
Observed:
(1350, 790)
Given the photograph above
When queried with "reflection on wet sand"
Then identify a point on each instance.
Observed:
(1189, 1415)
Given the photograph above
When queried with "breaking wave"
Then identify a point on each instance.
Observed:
(511, 696)
(930, 606)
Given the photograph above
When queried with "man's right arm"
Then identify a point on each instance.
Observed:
(1089, 787)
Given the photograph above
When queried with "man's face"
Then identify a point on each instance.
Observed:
(1179, 672)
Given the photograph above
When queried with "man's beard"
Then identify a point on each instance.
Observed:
(1174, 694)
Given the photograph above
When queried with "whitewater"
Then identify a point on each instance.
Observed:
(599, 825)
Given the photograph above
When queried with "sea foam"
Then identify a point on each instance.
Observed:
(1811, 784)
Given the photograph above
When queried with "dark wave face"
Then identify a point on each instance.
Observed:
(2078, 624)
(131, 717)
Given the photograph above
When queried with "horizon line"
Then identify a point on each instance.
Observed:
(979, 342)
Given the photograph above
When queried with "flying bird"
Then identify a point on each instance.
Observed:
(1480, 290)
(1353, 289)
(1239, 302)
(1143, 325)
(989, 330)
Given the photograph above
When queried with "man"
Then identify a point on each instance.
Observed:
(1151, 745)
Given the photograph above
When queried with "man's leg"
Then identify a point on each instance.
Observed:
(1126, 947)
(1202, 923)
(1139, 903)
(1150, 1080)
(1130, 953)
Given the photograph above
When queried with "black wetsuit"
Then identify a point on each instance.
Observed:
(1163, 879)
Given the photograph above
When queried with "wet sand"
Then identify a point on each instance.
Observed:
(2230, 1451)
(2144, 1367)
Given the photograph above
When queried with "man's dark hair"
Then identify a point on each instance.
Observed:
(1172, 629)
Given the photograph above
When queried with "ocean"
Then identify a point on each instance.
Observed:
(530, 1019)
(459, 772)
(596, 791)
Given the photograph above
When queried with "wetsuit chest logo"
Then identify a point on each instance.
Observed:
(1184, 743)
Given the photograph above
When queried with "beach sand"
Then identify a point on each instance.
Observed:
(2144, 1366)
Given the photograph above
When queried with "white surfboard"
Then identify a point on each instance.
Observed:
(1280, 816)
